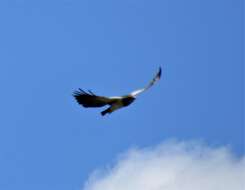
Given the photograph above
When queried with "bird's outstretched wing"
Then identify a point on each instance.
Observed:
(153, 81)
(89, 99)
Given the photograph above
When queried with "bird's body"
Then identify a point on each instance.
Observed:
(119, 103)
(89, 99)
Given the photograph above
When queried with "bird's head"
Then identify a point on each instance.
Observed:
(128, 100)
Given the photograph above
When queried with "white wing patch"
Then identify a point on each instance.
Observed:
(115, 97)
(153, 81)
(136, 92)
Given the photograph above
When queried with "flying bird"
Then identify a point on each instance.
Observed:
(90, 100)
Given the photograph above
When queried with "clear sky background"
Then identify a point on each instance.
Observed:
(50, 48)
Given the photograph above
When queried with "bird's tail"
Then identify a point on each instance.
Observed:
(105, 111)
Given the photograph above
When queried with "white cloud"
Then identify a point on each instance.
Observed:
(172, 166)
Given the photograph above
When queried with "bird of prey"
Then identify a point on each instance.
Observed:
(89, 99)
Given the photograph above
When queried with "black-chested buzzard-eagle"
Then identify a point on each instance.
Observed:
(89, 99)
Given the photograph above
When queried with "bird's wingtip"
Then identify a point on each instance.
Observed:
(159, 72)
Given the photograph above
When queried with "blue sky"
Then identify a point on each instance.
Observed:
(50, 48)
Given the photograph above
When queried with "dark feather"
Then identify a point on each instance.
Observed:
(89, 99)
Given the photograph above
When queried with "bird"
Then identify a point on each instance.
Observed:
(90, 100)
